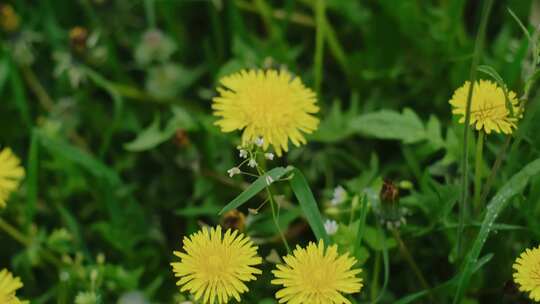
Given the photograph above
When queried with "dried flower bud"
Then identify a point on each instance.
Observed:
(389, 193)
(234, 219)
(181, 138)
(390, 211)
(9, 20)
(77, 38)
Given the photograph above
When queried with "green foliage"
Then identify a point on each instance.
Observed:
(123, 159)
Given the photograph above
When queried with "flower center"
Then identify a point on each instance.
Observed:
(318, 280)
(214, 265)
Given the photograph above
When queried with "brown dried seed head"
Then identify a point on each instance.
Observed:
(78, 37)
(9, 20)
(234, 219)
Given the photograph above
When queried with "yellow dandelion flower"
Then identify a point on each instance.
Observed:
(11, 174)
(527, 274)
(488, 107)
(8, 286)
(215, 266)
(270, 104)
(317, 276)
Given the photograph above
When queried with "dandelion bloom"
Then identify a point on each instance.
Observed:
(214, 266)
(488, 107)
(270, 104)
(11, 174)
(527, 274)
(317, 276)
(8, 286)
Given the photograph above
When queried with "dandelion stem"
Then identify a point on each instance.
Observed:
(478, 171)
(465, 158)
(410, 260)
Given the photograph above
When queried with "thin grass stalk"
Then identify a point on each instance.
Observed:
(412, 263)
(465, 160)
(478, 159)
(320, 23)
(18, 236)
(150, 10)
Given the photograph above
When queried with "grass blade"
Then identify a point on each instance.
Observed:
(19, 95)
(256, 187)
(513, 187)
(71, 153)
(362, 224)
(319, 43)
(309, 205)
(32, 179)
(478, 47)
(386, 264)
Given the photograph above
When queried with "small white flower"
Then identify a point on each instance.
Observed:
(331, 227)
(233, 171)
(243, 153)
(339, 196)
(269, 156)
(259, 141)
(252, 163)
(269, 180)
(64, 276)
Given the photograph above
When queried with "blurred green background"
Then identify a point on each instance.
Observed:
(107, 102)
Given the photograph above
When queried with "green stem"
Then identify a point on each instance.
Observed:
(465, 160)
(275, 216)
(266, 13)
(14, 233)
(478, 171)
(149, 7)
(495, 168)
(319, 43)
(410, 260)
(273, 205)
(376, 270)
(529, 83)
(27, 242)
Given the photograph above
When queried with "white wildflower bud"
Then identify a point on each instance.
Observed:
(269, 180)
(269, 156)
(339, 196)
(331, 227)
(243, 153)
(233, 171)
(64, 276)
(259, 141)
(252, 163)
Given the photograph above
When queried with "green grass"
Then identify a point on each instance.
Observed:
(123, 159)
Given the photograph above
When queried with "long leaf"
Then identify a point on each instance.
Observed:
(255, 188)
(413, 298)
(309, 205)
(386, 263)
(21, 102)
(513, 187)
(362, 224)
(69, 152)
(32, 178)
(4, 71)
